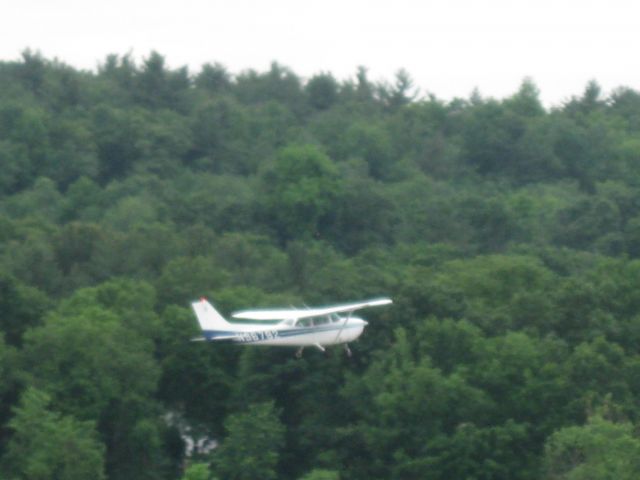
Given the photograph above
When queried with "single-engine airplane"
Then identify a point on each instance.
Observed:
(319, 327)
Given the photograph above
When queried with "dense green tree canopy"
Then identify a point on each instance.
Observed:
(252, 447)
(46, 444)
(507, 233)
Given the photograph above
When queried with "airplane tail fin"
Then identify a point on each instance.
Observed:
(208, 317)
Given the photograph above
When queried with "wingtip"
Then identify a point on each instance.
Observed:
(381, 301)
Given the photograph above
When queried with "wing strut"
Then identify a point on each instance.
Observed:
(344, 324)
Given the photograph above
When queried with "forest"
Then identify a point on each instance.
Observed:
(506, 232)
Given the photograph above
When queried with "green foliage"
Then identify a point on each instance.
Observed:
(301, 189)
(220, 136)
(321, 475)
(94, 357)
(599, 449)
(506, 233)
(252, 446)
(46, 444)
(16, 167)
(197, 471)
(21, 307)
(9, 380)
(83, 375)
(322, 91)
(405, 402)
(372, 144)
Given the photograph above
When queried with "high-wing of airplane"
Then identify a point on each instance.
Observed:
(319, 327)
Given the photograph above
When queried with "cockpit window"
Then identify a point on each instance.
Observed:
(305, 322)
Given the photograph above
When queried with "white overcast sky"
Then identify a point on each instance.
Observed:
(449, 47)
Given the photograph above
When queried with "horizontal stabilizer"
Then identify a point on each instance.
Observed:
(214, 338)
(219, 338)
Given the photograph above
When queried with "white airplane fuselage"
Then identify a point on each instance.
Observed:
(342, 330)
(319, 327)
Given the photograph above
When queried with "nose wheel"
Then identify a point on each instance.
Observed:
(299, 353)
(347, 350)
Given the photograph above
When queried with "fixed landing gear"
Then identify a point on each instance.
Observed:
(347, 350)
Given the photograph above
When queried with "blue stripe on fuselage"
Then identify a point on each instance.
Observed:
(292, 332)
(234, 336)
(217, 334)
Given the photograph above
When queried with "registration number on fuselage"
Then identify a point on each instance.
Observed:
(257, 336)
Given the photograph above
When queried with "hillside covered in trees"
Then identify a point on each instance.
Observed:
(508, 235)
